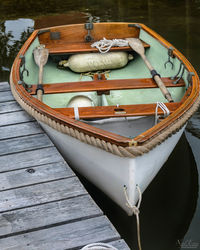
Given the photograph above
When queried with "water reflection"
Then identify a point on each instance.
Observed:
(168, 204)
(178, 21)
(10, 45)
(193, 125)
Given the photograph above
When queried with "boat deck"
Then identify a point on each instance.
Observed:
(43, 204)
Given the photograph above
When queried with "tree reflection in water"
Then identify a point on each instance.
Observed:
(9, 48)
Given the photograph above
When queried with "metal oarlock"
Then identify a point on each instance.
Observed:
(22, 64)
(181, 70)
(170, 55)
(89, 27)
(189, 77)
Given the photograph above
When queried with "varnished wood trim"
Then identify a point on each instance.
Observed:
(98, 133)
(76, 33)
(104, 85)
(54, 115)
(64, 48)
(113, 111)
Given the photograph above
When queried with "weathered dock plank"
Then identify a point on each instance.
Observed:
(32, 218)
(119, 244)
(40, 193)
(31, 158)
(16, 130)
(4, 86)
(6, 96)
(21, 144)
(25, 177)
(43, 205)
(14, 118)
(11, 106)
(67, 236)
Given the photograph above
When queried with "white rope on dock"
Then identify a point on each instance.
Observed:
(105, 45)
(136, 211)
(98, 246)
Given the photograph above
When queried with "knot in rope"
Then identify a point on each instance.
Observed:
(134, 208)
(136, 211)
(105, 45)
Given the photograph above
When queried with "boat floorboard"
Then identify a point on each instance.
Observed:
(43, 204)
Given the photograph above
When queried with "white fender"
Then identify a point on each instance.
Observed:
(96, 61)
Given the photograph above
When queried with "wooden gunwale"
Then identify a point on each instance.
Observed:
(104, 85)
(90, 130)
(187, 104)
(46, 110)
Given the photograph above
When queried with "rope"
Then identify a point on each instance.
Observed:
(105, 45)
(130, 151)
(98, 246)
(164, 109)
(76, 113)
(136, 211)
(92, 73)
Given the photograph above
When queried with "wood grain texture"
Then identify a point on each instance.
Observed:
(76, 33)
(33, 218)
(66, 47)
(14, 118)
(26, 159)
(104, 85)
(6, 96)
(11, 106)
(26, 143)
(120, 244)
(4, 86)
(113, 111)
(11, 131)
(43, 204)
(40, 193)
(34, 175)
(68, 236)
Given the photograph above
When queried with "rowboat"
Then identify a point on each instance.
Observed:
(115, 120)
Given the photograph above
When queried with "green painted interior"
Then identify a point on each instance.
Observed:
(156, 54)
(62, 100)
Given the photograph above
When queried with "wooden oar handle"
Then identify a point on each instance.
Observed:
(40, 74)
(158, 80)
(163, 89)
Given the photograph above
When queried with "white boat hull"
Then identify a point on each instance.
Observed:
(109, 172)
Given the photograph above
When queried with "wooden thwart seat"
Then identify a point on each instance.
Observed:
(69, 47)
(104, 85)
(114, 111)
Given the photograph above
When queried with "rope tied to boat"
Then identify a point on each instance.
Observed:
(136, 211)
(129, 151)
(105, 45)
(99, 246)
(92, 73)
(164, 109)
(76, 113)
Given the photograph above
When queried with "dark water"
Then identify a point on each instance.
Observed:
(170, 210)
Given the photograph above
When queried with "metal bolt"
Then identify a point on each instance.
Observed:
(30, 170)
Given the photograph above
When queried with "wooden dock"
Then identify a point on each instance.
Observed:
(43, 205)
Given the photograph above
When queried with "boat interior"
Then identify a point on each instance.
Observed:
(124, 93)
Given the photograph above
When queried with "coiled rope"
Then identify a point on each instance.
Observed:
(99, 246)
(105, 45)
(136, 211)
